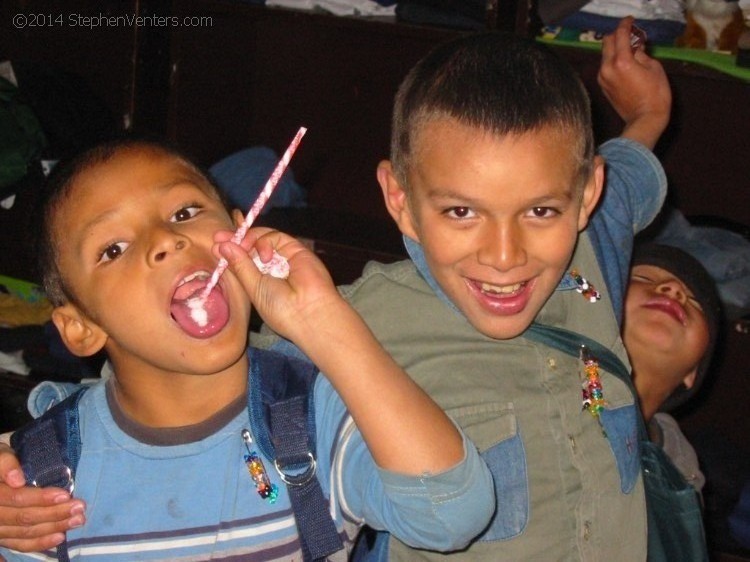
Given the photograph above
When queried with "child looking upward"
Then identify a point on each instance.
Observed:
(672, 314)
(128, 235)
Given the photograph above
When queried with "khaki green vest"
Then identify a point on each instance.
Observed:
(567, 487)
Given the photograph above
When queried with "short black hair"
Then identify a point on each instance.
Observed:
(498, 82)
(58, 186)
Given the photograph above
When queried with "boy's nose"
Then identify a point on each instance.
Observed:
(166, 242)
(502, 248)
(673, 289)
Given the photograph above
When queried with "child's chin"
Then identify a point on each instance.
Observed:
(502, 328)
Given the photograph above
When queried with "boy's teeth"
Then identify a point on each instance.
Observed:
(501, 289)
(196, 275)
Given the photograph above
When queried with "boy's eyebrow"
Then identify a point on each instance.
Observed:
(436, 194)
(164, 187)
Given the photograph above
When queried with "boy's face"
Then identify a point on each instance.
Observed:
(664, 328)
(498, 217)
(131, 231)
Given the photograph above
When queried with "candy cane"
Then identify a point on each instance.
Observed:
(255, 210)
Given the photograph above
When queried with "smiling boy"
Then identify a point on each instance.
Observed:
(470, 237)
(129, 232)
(671, 322)
(494, 183)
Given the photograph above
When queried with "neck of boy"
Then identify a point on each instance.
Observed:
(650, 396)
(177, 399)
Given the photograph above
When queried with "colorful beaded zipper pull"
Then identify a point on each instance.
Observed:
(257, 471)
(592, 393)
(584, 287)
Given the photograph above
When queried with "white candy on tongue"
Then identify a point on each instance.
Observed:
(277, 266)
(198, 311)
(199, 317)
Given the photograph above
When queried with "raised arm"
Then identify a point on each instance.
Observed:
(404, 429)
(636, 86)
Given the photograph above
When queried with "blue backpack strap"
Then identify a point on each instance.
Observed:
(282, 416)
(48, 449)
(570, 343)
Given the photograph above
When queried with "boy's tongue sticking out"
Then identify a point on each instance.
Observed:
(199, 317)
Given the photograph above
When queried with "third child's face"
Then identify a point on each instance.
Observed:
(498, 218)
(663, 320)
(132, 231)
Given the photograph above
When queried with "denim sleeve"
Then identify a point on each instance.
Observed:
(439, 512)
(634, 192)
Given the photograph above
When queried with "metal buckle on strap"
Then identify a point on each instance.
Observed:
(297, 479)
(57, 477)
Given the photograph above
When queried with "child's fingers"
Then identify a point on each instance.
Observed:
(622, 35)
(30, 505)
(34, 544)
(36, 537)
(226, 235)
(33, 519)
(240, 263)
(10, 469)
(29, 536)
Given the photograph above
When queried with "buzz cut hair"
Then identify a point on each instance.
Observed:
(499, 83)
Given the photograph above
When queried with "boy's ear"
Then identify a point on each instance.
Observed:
(689, 379)
(237, 217)
(592, 191)
(80, 335)
(396, 200)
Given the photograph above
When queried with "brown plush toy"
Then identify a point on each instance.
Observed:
(712, 24)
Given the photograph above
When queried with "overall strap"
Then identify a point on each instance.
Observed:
(571, 342)
(48, 449)
(281, 408)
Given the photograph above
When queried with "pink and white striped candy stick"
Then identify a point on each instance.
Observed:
(256, 208)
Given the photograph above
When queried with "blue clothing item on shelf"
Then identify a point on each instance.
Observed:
(242, 176)
(725, 255)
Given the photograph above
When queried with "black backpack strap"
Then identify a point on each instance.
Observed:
(281, 408)
(48, 449)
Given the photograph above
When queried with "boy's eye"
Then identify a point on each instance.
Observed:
(459, 212)
(185, 213)
(694, 302)
(112, 252)
(640, 278)
(543, 212)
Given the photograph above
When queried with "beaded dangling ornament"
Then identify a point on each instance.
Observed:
(584, 287)
(258, 472)
(592, 393)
